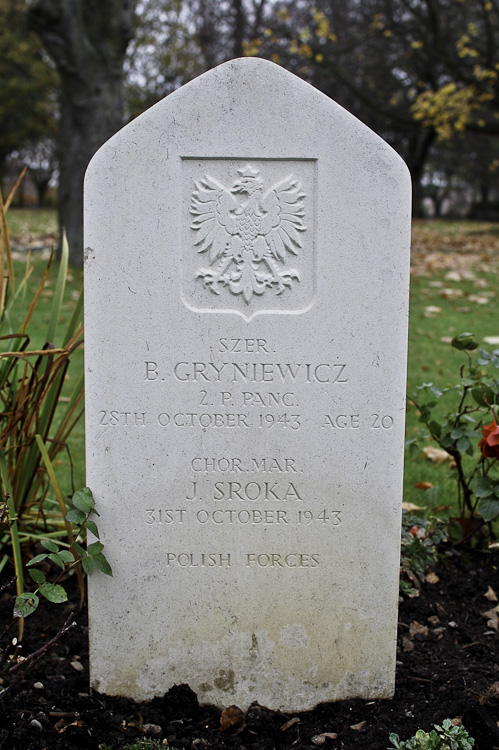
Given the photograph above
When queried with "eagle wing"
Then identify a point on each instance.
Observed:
(283, 220)
(213, 208)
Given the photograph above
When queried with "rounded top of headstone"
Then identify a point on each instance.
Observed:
(245, 96)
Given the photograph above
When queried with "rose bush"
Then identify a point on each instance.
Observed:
(489, 444)
(470, 423)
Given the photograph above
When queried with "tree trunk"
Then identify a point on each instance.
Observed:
(87, 40)
(416, 155)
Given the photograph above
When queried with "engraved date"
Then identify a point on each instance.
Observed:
(284, 420)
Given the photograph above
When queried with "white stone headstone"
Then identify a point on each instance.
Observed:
(246, 282)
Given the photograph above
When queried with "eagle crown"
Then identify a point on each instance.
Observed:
(249, 182)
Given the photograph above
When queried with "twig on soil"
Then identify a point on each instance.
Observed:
(26, 665)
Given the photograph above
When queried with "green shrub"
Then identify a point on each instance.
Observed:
(445, 737)
(468, 431)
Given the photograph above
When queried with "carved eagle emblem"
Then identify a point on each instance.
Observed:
(248, 232)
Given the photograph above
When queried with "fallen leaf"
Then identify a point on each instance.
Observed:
(412, 506)
(407, 644)
(492, 618)
(431, 311)
(479, 299)
(431, 578)
(451, 293)
(441, 610)
(453, 276)
(490, 594)
(494, 689)
(438, 455)
(433, 620)
(290, 723)
(416, 628)
(231, 717)
(424, 486)
(320, 739)
(358, 727)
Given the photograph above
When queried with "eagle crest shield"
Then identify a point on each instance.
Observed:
(250, 233)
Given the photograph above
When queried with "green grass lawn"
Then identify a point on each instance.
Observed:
(453, 289)
(32, 221)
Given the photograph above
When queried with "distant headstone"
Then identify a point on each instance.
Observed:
(246, 282)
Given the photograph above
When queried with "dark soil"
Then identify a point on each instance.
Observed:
(446, 669)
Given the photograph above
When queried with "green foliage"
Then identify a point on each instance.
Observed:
(90, 559)
(421, 540)
(28, 102)
(445, 737)
(468, 431)
(34, 422)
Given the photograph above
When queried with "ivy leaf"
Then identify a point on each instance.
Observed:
(435, 428)
(81, 551)
(54, 593)
(83, 500)
(91, 526)
(95, 548)
(102, 564)
(66, 555)
(463, 444)
(88, 565)
(36, 560)
(467, 382)
(483, 487)
(76, 516)
(489, 509)
(483, 395)
(436, 391)
(37, 575)
(25, 604)
(50, 545)
(57, 559)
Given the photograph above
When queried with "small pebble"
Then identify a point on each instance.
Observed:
(35, 724)
(78, 666)
(38, 685)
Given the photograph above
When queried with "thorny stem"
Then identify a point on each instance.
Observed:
(25, 666)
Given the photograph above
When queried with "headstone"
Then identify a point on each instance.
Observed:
(246, 281)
